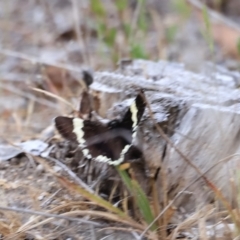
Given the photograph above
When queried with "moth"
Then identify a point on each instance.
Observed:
(104, 142)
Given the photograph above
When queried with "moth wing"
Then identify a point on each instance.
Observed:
(84, 132)
(134, 113)
(93, 129)
(72, 128)
(98, 139)
(65, 127)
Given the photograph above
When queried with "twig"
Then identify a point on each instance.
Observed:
(213, 14)
(36, 60)
(134, 19)
(27, 211)
(80, 39)
(53, 96)
(49, 199)
(28, 95)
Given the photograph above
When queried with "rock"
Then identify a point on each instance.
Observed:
(200, 115)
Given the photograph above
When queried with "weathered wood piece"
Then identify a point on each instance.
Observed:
(199, 113)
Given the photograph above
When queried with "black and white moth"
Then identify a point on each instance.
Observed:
(101, 142)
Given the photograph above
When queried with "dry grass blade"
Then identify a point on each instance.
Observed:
(120, 215)
(72, 215)
(80, 39)
(202, 228)
(28, 95)
(30, 225)
(185, 189)
(60, 208)
(206, 212)
(53, 96)
(125, 229)
(33, 60)
(213, 14)
(10, 222)
(65, 168)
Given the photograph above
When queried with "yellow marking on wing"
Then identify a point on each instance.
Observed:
(77, 129)
(134, 111)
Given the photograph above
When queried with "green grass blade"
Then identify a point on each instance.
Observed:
(140, 197)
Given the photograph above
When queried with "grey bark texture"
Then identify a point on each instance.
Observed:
(200, 114)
